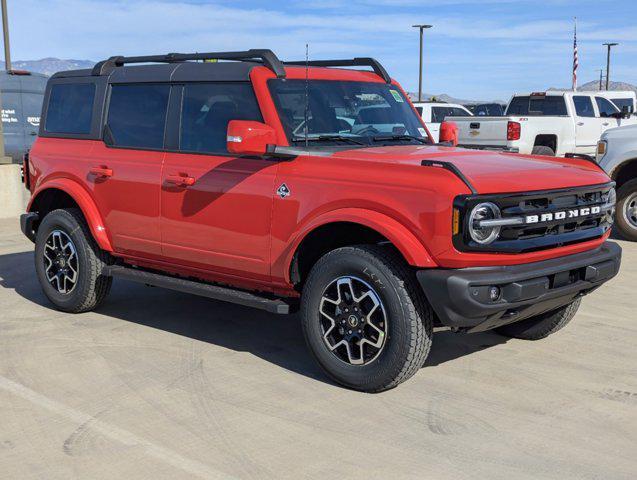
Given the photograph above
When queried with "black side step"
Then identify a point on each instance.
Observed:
(224, 294)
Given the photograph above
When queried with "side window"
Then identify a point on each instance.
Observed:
(606, 108)
(438, 114)
(70, 108)
(206, 110)
(137, 115)
(583, 106)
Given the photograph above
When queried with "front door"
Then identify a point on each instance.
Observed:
(588, 128)
(216, 207)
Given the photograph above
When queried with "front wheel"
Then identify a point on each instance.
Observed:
(626, 216)
(541, 326)
(364, 319)
(69, 263)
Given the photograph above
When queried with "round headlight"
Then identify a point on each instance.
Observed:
(484, 234)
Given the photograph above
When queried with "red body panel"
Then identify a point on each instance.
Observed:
(219, 217)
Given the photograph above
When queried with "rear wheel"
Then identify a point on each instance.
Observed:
(537, 328)
(626, 217)
(543, 150)
(364, 318)
(69, 263)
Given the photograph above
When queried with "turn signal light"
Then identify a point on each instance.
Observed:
(513, 131)
(456, 221)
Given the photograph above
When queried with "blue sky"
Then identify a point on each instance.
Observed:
(477, 49)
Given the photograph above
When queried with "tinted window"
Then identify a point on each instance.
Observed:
(207, 109)
(583, 106)
(491, 109)
(438, 114)
(537, 106)
(624, 102)
(137, 115)
(606, 108)
(70, 108)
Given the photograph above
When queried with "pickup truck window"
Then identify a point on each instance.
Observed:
(549, 105)
(206, 110)
(583, 106)
(137, 115)
(438, 114)
(70, 108)
(606, 108)
(623, 102)
(338, 109)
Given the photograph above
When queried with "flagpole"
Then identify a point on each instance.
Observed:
(575, 56)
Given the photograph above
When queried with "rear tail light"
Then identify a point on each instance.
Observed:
(513, 131)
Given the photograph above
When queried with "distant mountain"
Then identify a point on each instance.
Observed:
(594, 86)
(443, 97)
(49, 66)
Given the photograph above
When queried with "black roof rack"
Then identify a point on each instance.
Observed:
(354, 62)
(268, 58)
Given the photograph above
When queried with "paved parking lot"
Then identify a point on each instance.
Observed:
(158, 384)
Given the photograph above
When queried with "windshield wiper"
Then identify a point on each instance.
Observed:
(386, 138)
(330, 138)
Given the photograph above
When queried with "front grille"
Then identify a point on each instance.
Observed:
(544, 233)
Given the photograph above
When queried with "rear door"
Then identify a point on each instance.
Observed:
(124, 171)
(588, 127)
(216, 207)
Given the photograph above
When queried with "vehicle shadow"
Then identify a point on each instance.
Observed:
(277, 339)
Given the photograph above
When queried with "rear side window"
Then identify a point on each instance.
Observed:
(583, 106)
(70, 108)
(606, 108)
(206, 110)
(137, 115)
(539, 105)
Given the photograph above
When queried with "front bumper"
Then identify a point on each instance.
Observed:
(461, 300)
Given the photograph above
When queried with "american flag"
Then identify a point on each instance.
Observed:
(575, 59)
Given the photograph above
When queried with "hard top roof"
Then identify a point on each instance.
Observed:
(221, 66)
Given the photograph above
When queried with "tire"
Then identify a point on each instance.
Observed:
(626, 216)
(402, 313)
(537, 328)
(82, 287)
(543, 150)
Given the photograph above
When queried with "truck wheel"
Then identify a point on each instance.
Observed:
(543, 150)
(69, 263)
(364, 319)
(537, 328)
(626, 217)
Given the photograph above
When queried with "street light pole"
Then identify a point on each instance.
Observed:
(5, 31)
(421, 28)
(601, 73)
(609, 45)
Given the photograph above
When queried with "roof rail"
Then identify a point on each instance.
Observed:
(354, 62)
(268, 58)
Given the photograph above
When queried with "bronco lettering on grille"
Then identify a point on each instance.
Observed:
(563, 215)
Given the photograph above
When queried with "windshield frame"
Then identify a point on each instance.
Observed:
(319, 140)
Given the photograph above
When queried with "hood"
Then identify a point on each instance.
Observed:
(490, 171)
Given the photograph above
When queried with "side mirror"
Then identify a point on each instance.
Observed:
(449, 133)
(246, 137)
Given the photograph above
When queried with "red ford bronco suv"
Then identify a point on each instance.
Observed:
(284, 185)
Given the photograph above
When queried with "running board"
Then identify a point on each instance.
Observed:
(216, 292)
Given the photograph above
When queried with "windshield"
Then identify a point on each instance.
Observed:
(623, 102)
(345, 112)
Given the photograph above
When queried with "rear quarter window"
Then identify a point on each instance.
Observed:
(70, 108)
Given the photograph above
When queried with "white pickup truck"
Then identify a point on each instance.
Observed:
(546, 123)
(434, 113)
